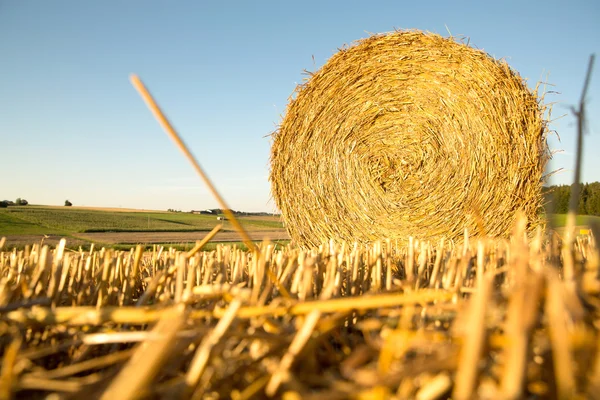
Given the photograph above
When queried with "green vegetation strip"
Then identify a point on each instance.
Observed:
(12, 225)
(560, 220)
(46, 220)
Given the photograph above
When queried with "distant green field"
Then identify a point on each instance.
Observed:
(12, 225)
(77, 221)
(46, 220)
(560, 220)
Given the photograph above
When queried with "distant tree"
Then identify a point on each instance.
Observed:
(21, 202)
(562, 193)
(593, 200)
(584, 194)
(3, 204)
(68, 203)
(557, 198)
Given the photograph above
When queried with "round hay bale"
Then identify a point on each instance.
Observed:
(408, 134)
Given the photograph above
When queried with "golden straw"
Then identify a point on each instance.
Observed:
(164, 122)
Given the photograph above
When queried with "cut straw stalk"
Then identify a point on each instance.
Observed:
(9, 358)
(78, 368)
(523, 313)
(142, 315)
(556, 311)
(164, 122)
(55, 385)
(435, 387)
(296, 346)
(201, 243)
(473, 342)
(148, 358)
(202, 355)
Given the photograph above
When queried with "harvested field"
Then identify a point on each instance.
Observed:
(401, 317)
(490, 319)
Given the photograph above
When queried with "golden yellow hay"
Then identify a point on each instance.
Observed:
(409, 132)
(492, 319)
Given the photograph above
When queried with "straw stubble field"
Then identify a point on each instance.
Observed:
(489, 319)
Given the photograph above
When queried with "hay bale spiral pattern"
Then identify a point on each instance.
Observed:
(408, 133)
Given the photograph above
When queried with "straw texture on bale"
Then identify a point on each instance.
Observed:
(409, 132)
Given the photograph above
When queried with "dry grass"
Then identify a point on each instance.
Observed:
(404, 134)
(489, 319)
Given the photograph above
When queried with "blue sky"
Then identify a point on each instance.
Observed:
(72, 127)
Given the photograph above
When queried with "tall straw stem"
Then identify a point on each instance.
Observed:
(164, 122)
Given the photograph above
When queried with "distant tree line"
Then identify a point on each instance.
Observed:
(18, 202)
(557, 199)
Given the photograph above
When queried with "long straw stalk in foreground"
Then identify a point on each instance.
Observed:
(172, 133)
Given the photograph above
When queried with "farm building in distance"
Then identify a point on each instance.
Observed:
(204, 212)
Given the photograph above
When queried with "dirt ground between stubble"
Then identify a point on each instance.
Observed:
(112, 238)
(177, 237)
